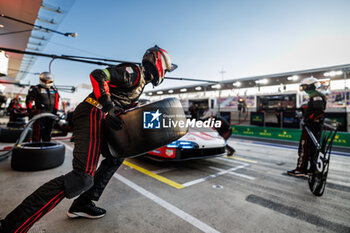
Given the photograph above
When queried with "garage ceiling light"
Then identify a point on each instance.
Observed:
(183, 90)
(171, 91)
(216, 86)
(333, 73)
(237, 84)
(150, 93)
(293, 78)
(262, 81)
(198, 88)
(159, 92)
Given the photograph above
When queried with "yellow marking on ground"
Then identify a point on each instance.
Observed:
(241, 159)
(153, 175)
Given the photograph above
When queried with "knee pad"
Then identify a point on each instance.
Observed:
(76, 182)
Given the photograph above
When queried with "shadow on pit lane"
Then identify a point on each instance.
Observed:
(194, 163)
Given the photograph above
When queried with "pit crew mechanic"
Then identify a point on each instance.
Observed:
(115, 88)
(224, 130)
(16, 111)
(46, 100)
(313, 118)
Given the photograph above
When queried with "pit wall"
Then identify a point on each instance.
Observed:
(341, 139)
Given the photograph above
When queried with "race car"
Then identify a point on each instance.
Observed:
(196, 144)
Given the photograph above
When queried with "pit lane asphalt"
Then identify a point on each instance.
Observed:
(247, 193)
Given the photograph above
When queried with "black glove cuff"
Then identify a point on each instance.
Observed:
(105, 101)
(107, 107)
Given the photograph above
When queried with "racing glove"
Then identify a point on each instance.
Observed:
(114, 116)
(106, 103)
(308, 121)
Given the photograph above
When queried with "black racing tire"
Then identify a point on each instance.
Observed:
(16, 124)
(12, 134)
(37, 156)
(317, 181)
(134, 140)
(317, 185)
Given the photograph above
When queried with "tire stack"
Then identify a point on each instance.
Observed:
(11, 134)
(35, 156)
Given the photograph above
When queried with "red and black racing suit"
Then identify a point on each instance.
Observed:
(313, 118)
(46, 100)
(16, 111)
(119, 85)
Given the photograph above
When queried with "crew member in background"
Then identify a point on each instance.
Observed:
(46, 100)
(17, 112)
(224, 131)
(193, 110)
(115, 89)
(3, 100)
(313, 119)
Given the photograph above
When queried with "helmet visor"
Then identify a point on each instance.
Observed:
(302, 87)
(173, 67)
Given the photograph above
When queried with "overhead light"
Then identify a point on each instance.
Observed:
(333, 73)
(293, 78)
(237, 84)
(262, 81)
(4, 63)
(339, 72)
(159, 92)
(1, 25)
(198, 88)
(72, 34)
(171, 91)
(183, 90)
(216, 86)
(150, 93)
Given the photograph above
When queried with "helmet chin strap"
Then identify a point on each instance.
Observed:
(45, 85)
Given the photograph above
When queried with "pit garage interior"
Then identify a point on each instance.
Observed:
(248, 192)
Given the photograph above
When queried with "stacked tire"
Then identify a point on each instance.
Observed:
(37, 156)
(11, 134)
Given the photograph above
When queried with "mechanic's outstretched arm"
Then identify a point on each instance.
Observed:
(117, 76)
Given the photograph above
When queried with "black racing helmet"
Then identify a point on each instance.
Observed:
(158, 62)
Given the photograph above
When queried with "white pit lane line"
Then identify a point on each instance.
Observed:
(234, 173)
(193, 182)
(173, 209)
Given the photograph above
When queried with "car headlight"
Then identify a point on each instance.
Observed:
(183, 145)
